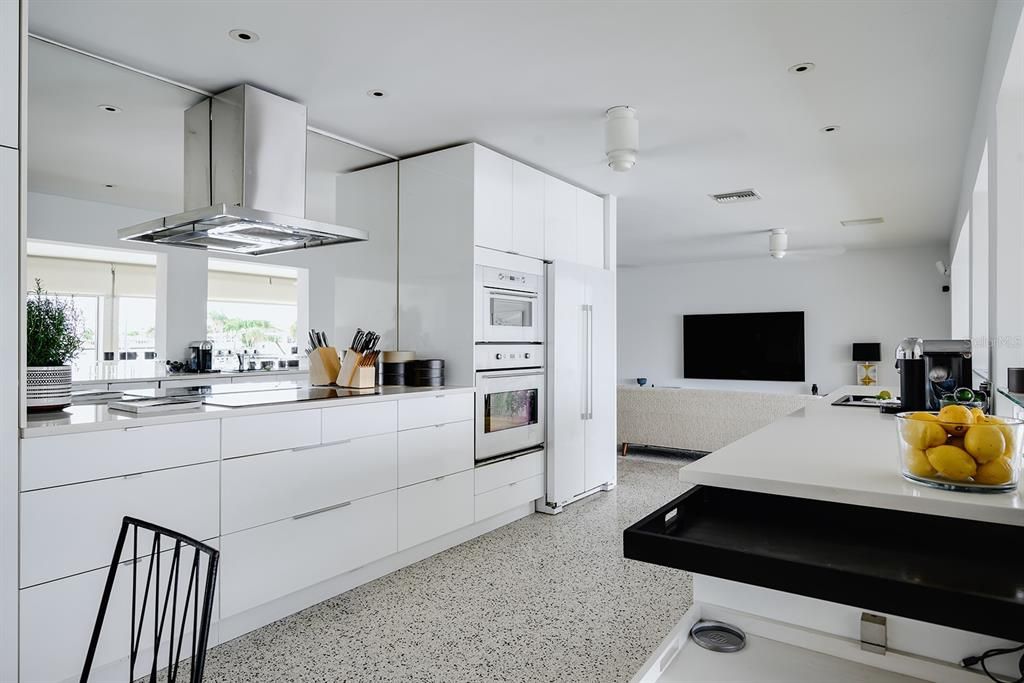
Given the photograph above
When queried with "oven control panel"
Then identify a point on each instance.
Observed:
(508, 356)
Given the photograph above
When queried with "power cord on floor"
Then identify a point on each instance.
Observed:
(987, 654)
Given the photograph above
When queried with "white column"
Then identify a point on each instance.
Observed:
(12, 310)
(181, 290)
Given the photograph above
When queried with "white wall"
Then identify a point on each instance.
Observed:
(866, 296)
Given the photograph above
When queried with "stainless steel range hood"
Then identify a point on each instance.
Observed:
(245, 180)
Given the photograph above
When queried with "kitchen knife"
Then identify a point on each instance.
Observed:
(355, 337)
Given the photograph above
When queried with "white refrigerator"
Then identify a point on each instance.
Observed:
(581, 358)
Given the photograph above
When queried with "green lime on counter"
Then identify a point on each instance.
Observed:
(883, 395)
(964, 395)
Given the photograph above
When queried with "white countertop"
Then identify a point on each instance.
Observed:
(90, 418)
(842, 454)
(155, 370)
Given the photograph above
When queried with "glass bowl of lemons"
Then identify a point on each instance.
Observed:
(960, 448)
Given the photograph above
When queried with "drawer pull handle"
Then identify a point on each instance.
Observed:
(133, 476)
(513, 483)
(440, 478)
(438, 426)
(326, 509)
(297, 449)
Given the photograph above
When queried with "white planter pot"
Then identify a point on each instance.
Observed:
(48, 388)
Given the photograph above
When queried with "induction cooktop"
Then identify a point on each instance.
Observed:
(264, 398)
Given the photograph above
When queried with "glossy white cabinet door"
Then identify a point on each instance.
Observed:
(559, 220)
(508, 496)
(271, 432)
(566, 377)
(70, 458)
(434, 508)
(70, 529)
(10, 71)
(527, 210)
(505, 472)
(431, 452)
(589, 229)
(273, 486)
(600, 428)
(351, 422)
(435, 410)
(492, 199)
(262, 564)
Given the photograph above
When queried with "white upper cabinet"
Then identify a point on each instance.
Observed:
(527, 210)
(10, 28)
(560, 239)
(589, 229)
(492, 199)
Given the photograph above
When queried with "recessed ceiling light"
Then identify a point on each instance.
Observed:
(801, 68)
(863, 221)
(244, 36)
(830, 129)
(376, 93)
(109, 108)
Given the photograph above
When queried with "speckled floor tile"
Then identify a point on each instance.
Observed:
(547, 598)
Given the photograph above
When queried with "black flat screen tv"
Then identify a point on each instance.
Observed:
(745, 346)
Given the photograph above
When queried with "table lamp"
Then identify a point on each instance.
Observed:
(866, 355)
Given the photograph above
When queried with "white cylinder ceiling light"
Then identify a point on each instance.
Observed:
(778, 241)
(621, 137)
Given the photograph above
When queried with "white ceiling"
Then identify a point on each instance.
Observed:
(718, 109)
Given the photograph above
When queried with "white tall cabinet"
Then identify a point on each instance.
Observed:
(581, 382)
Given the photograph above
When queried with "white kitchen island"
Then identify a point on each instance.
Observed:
(305, 500)
(796, 531)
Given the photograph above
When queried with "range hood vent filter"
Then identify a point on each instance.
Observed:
(734, 197)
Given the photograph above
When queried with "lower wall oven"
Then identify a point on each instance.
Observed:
(509, 399)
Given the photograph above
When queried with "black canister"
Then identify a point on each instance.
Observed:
(425, 373)
(911, 366)
(1015, 380)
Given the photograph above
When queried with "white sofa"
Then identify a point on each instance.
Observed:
(697, 419)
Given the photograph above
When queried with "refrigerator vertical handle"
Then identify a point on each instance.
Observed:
(590, 361)
(584, 361)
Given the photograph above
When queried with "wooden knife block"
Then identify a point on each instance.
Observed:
(324, 366)
(355, 376)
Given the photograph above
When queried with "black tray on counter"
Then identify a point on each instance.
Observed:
(954, 572)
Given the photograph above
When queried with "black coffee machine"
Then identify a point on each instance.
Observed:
(931, 368)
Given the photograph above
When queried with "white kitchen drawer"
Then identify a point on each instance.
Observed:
(194, 381)
(272, 486)
(69, 458)
(366, 419)
(495, 475)
(262, 564)
(57, 619)
(71, 529)
(128, 386)
(508, 496)
(434, 410)
(270, 432)
(431, 452)
(434, 508)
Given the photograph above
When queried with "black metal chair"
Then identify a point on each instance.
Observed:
(160, 598)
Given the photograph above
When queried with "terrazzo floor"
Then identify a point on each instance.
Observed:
(546, 598)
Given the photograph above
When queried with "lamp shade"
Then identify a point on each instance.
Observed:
(867, 352)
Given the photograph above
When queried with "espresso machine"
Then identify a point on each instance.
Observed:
(930, 369)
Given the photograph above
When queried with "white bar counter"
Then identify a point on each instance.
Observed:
(843, 454)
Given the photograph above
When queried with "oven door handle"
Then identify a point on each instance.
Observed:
(513, 374)
(496, 291)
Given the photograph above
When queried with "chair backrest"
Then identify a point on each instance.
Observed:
(172, 586)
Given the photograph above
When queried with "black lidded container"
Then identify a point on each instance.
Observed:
(425, 373)
(393, 374)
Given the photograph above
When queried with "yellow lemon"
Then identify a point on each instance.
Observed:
(952, 462)
(1005, 429)
(998, 471)
(977, 413)
(922, 434)
(917, 463)
(985, 442)
(956, 419)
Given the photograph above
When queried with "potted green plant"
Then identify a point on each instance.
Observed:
(52, 341)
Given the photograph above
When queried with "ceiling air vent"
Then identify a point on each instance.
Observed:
(738, 196)
(862, 221)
